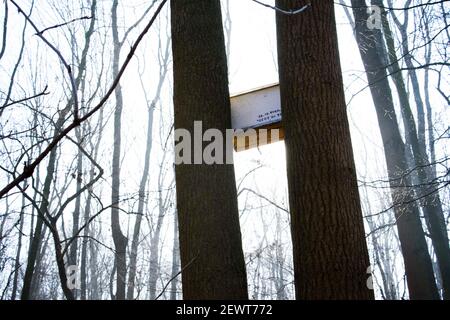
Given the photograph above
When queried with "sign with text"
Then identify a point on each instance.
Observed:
(257, 113)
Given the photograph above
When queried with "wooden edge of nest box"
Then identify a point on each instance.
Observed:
(250, 140)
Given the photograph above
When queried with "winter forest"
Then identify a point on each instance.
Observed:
(353, 203)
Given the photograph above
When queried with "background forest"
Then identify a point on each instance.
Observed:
(99, 210)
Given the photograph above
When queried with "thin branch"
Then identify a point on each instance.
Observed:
(43, 93)
(5, 30)
(288, 12)
(63, 24)
(175, 276)
(60, 56)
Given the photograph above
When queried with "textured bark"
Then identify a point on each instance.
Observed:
(210, 240)
(418, 266)
(330, 251)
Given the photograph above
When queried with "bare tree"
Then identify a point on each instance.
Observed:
(419, 270)
(330, 252)
(212, 259)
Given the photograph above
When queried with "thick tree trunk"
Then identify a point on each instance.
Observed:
(330, 251)
(418, 266)
(210, 240)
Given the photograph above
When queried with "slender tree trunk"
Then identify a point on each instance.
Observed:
(37, 234)
(430, 199)
(418, 266)
(212, 258)
(94, 288)
(154, 269)
(84, 252)
(175, 260)
(330, 251)
(145, 173)
(87, 214)
(17, 264)
(120, 241)
(73, 250)
(430, 124)
(60, 264)
(141, 203)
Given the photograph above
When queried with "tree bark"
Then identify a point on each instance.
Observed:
(330, 251)
(210, 240)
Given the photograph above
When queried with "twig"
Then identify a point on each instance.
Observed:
(43, 93)
(288, 12)
(63, 24)
(175, 276)
(60, 56)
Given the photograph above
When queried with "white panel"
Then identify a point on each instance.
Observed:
(257, 108)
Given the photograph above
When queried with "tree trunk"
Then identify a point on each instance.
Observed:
(418, 266)
(154, 269)
(175, 260)
(145, 174)
(430, 199)
(212, 258)
(17, 264)
(141, 203)
(60, 263)
(330, 251)
(120, 241)
(73, 250)
(37, 234)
